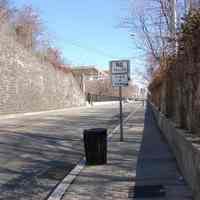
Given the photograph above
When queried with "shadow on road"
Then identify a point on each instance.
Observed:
(35, 163)
(36, 152)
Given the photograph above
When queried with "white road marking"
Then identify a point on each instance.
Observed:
(58, 193)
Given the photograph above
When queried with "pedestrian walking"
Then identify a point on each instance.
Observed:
(89, 98)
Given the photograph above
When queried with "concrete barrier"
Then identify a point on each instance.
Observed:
(186, 148)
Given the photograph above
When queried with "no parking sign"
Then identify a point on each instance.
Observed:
(120, 72)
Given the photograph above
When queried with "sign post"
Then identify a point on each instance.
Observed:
(121, 114)
(120, 76)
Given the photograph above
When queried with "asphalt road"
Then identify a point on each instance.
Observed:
(37, 151)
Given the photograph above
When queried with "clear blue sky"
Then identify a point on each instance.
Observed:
(86, 30)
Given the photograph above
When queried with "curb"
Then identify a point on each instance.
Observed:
(62, 187)
(11, 116)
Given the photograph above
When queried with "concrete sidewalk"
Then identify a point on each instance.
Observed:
(117, 179)
(157, 166)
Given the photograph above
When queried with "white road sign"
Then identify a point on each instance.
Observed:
(120, 72)
(120, 66)
(120, 75)
(119, 80)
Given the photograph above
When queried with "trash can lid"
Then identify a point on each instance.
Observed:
(95, 131)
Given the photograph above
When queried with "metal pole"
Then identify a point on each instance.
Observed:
(121, 114)
(173, 23)
(186, 4)
(190, 5)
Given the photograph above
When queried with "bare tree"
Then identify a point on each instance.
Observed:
(28, 27)
(4, 11)
(54, 56)
(150, 24)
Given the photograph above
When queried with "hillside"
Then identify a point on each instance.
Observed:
(27, 85)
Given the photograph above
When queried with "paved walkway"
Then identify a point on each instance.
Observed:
(157, 166)
(116, 180)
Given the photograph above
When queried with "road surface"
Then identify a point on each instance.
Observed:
(37, 151)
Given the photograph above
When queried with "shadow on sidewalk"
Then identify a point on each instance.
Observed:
(157, 174)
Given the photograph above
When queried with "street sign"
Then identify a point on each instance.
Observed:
(119, 80)
(120, 72)
(120, 75)
(119, 67)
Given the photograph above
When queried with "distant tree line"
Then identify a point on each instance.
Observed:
(104, 88)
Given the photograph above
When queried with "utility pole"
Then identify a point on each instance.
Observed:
(187, 4)
(173, 22)
(191, 4)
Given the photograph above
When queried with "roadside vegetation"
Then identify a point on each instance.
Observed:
(169, 36)
(26, 27)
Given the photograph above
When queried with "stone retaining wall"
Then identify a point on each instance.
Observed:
(186, 148)
(27, 85)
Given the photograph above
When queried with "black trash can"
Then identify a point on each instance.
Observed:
(95, 142)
